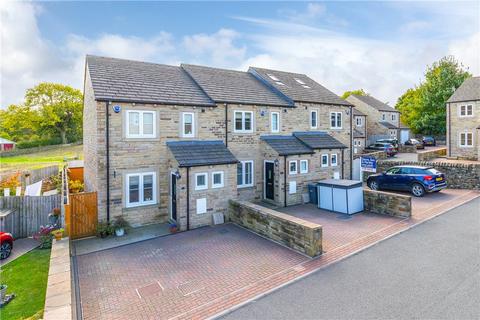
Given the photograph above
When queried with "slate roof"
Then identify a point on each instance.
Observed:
(357, 112)
(469, 90)
(319, 140)
(231, 86)
(133, 81)
(286, 145)
(311, 91)
(358, 134)
(377, 104)
(3, 140)
(388, 125)
(196, 153)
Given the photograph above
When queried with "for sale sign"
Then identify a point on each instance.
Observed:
(368, 164)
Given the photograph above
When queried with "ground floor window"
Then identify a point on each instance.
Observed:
(466, 139)
(141, 189)
(245, 174)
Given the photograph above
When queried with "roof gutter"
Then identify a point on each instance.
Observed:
(156, 102)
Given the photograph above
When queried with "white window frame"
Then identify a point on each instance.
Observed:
(311, 118)
(290, 171)
(217, 185)
(205, 187)
(384, 116)
(306, 166)
(359, 121)
(140, 123)
(466, 115)
(394, 117)
(278, 122)
(334, 156)
(185, 135)
(243, 121)
(141, 202)
(244, 185)
(325, 155)
(465, 145)
(336, 113)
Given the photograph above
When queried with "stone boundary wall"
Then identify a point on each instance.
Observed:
(391, 204)
(58, 302)
(429, 155)
(376, 154)
(402, 148)
(458, 175)
(295, 233)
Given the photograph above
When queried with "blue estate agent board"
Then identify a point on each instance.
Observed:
(368, 164)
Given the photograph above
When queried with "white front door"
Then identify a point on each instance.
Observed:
(404, 136)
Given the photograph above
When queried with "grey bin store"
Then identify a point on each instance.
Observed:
(339, 195)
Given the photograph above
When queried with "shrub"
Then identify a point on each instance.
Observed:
(12, 182)
(38, 143)
(44, 236)
(75, 186)
(104, 229)
(120, 223)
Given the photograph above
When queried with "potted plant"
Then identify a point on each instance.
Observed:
(58, 234)
(120, 225)
(3, 291)
(104, 229)
(173, 227)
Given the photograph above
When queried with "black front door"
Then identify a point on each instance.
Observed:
(174, 196)
(269, 180)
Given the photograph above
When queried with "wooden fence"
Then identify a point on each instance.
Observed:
(27, 214)
(31, 176)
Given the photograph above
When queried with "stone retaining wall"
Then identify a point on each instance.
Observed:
(458, 175)
(395, 205)
(429, 155)
(376, 154)
(407, 148)
(295, 233)
(58, 302)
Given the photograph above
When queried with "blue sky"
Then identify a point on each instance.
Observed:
(382, 47)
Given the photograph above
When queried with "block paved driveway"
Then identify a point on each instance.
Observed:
(208, 271)
(165, 277)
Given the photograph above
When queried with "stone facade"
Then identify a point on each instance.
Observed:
(295, 233)
(129, 156)
(392, 204)
(360, 126)
(457, 124)
(458, 175)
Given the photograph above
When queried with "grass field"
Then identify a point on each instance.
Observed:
(27, 277)
(41, 159)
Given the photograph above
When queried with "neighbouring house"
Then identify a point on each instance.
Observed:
(6, 145)
(359, 131)
(175, 143)
(383, 120)
(463, 121)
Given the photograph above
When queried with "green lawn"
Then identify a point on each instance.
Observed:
(27, 277)
(41, 159)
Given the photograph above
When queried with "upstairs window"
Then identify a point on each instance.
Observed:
(141, 124)
(334, 159)
(188, 124)
(141, 189)
(336, 120)
(292, 167)
(201, 181)
(466, 110)
(217, 179)
(394, 117)
(313, 119)
(275, 122)
(384, 116)
(359, 121)
(245, 174)
(303, 166)
(243, 121)
(324, 160)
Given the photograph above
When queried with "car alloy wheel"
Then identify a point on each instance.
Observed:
(373, 185)
(417, 190)
(5, 250)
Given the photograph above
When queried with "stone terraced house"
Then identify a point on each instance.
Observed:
(383, 120)
(463, 121)
(359, 131)
(175, 143)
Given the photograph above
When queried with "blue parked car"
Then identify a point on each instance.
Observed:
(416, 179)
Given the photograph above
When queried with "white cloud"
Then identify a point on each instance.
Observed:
(469, 51)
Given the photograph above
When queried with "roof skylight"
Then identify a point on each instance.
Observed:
(300, 81)
(273, 77)
(280, 83)
(305, 86)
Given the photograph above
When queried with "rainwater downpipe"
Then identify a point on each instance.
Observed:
(188, 198)
(285, 181)
(107, 154)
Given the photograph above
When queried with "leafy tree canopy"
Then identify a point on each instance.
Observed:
(50, 111)
(358, 92)
(423, 107)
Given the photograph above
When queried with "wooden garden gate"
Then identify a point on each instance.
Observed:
(81, 215)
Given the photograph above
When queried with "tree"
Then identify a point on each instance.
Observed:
(358, 92)
(423, 107)
(60, 108)
(18, 122)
